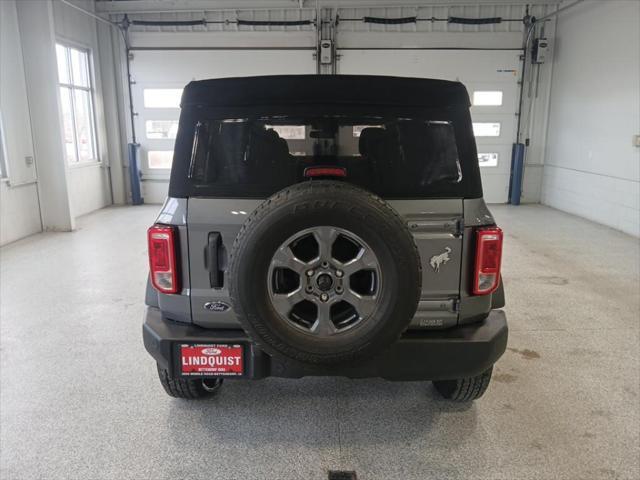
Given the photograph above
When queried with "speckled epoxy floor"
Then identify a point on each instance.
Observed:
(79, 397)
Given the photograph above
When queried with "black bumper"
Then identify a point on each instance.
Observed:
(458, 352)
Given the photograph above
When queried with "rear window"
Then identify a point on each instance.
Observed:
(393, 157)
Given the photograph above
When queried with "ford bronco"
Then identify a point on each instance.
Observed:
(325, 225)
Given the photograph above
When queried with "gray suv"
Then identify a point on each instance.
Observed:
(325, 225)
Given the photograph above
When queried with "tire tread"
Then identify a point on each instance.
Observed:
(464, 389)
(186, 388)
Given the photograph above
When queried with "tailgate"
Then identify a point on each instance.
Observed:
(437, 227)
(213, 225)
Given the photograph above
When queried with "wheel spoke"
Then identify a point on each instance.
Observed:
(325, 236)
(284, 258)
(364, 304)
(324, 326)
(284, 302)
(365, 260)
(314, 288)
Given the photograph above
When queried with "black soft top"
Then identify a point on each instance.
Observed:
(276, 90)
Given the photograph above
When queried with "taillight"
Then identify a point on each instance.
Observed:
(312, 172)
(162, 258)
(488, 257)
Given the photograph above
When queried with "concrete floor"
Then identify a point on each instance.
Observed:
(80, 399)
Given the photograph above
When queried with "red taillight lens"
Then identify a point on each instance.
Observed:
(312, 172)
(162, 258)
(488, 258)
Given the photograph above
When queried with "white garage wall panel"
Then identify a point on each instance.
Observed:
(88, 183)
(19, 209)
(592, 168)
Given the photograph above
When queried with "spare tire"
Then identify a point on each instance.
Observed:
(324, 272)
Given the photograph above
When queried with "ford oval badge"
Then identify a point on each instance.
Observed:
(217, 306)
(211, 351)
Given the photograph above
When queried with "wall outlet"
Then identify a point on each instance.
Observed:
(28, 160)
(636, 140)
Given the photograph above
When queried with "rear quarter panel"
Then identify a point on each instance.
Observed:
(206, 215)
(175, 307)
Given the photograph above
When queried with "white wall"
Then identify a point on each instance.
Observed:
(591, 168)
(35, 21)
(19, 210)
(30, 109)
(88, 183)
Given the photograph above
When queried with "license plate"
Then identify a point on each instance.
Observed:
(211, 360)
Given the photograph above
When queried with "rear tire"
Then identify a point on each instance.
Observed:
(188, 388)
(464, 389)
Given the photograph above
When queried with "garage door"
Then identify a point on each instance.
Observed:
(160, 76)
(491, 76)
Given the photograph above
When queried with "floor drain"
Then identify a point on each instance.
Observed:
(342, 475)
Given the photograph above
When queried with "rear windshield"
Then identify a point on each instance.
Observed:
(393, 157)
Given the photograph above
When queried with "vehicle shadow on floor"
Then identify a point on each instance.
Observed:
(323, 411)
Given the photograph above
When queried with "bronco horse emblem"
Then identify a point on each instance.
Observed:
(437, 260)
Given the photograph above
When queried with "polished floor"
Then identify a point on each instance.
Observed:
(79, 397)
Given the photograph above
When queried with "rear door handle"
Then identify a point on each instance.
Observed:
(212, 260)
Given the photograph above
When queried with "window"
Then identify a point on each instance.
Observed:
(357, 130)
(289, 132)
(486, 129)
(76, 100)
(162, 97)
(160, 158)
(161, 129)
(487, 99)
(397, 157)
(488, 159)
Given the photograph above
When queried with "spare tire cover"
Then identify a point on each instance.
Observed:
(324, 272)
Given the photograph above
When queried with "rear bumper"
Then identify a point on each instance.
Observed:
(458, 352)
